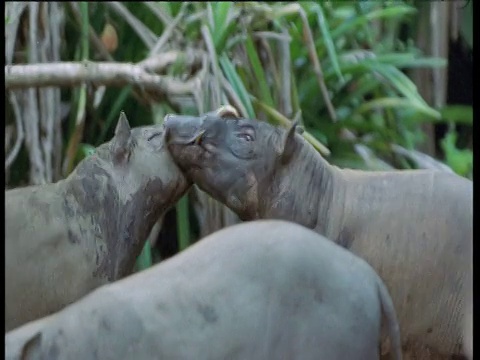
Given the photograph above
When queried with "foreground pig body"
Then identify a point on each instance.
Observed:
(258, 290)
(64, 239)
(413, 227)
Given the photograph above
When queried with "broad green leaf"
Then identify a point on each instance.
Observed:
(237, 84)
(398, 11)
(398, 103)
(359, 88)
(85, 28)
(410, 60)
(261, 79)
(327, 39)
(222, 28)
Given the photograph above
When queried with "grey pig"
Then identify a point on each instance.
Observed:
(413, 227)
(263, 290)
(64, 239)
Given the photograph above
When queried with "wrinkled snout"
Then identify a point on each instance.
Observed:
(183, 129)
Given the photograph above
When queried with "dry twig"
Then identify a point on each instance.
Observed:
(168, 31)
(216, 99)
(20, 135)
(104, 73)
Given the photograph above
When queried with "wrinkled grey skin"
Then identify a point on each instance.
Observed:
(413, 227)
(258, 290)
(64, 239)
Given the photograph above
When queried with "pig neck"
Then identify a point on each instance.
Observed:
(309, 191)
(114, 220)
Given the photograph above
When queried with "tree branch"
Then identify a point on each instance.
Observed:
(99, 73)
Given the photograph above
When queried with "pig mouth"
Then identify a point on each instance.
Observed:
(175, 139)
(188, 151)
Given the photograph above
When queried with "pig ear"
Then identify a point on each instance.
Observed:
(299, 130)
(296, 123)
(31, 348)
(290, 142)
(121, 142)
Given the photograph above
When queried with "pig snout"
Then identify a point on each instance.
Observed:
(181, 129)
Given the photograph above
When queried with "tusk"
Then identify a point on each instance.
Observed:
(198, 138)
(193, 140)
(227, 110)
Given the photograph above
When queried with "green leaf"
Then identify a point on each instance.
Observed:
(222, 28)
(410, 60)
(237, 85)
(261, 79)
(400, 104)
(144, 260)
(183, 223)
(397, 11)
(401, 82)
(114, 112)
(86, 150)
(459, 114)
(327, 39)
(278, 118)
(85, 29)
(361, 87)
(461, 161)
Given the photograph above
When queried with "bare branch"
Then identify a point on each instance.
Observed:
(285, 75)
(270, 35)
(18, 142)
(214, 65)
(56, 12)
(168, 31)
(423, 161)
(76, 73)
(13, 10)
(31, 118)
(158, 63)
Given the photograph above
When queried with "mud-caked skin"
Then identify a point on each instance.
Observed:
(64, 239)
(260, 290)
(413, 227)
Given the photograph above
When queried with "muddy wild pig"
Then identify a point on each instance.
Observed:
(414, 227)
(266, 289)
(64, 239)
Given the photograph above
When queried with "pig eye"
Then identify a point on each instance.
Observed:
(246, 137)
(154, 135)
